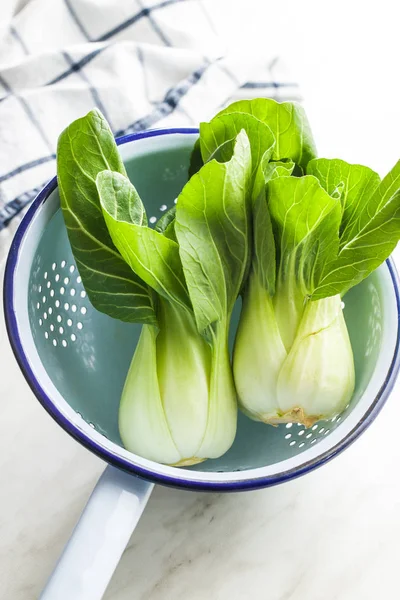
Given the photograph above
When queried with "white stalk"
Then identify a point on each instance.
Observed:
(317, 378)
(258, 354)
(313, 379)
(222, 405)
(178, 405)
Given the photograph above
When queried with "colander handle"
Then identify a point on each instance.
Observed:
(99, 538)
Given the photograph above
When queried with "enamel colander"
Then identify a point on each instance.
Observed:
(75, 359)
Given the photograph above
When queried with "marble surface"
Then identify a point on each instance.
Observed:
(334, 534)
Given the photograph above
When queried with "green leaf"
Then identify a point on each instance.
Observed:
(384, 194)
(121, 198)
(269, 170)
(218, 136)
(166, 224)
(85, 148)
(196, 162)
(264, 254)
(264, 257)
(353, 184)
(151, 255)
(212, 227)
(370, 240)
(223, 153)
(306, 221)
(288, 123)
(280, 168)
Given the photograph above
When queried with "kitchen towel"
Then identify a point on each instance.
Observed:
(143, 63)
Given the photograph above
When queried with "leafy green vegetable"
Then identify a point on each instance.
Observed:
(212, 224)
(212, 228)
(264, 254)
(325, 231)
(166, 224)
(306, 222)
(281, 129)
(151, 255)
(264, 258)
(288, 123)
(221, 131)
(179, 402)
(196, 162)
(353, 184)
(281, 330)
(86, 148)
(247, 222)
(164, 406)
(370, 232)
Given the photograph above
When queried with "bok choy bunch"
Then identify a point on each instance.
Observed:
(179, 280)
(314, 237)
(319, 227)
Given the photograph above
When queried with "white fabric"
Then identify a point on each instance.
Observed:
(144, 63)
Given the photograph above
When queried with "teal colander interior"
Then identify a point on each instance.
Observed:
(87, 354)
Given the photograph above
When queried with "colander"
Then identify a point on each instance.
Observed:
(76, 359)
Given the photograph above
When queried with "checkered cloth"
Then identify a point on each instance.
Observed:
(143, 63)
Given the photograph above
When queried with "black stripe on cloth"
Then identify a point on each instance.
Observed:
(75, 67)
(79, 64)
(30, 114)
(76, 19)
(93, 91)
(254, 85)
(145, 12)
(26, 167)
(169, 103)
(155, 25)
(19, 39)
